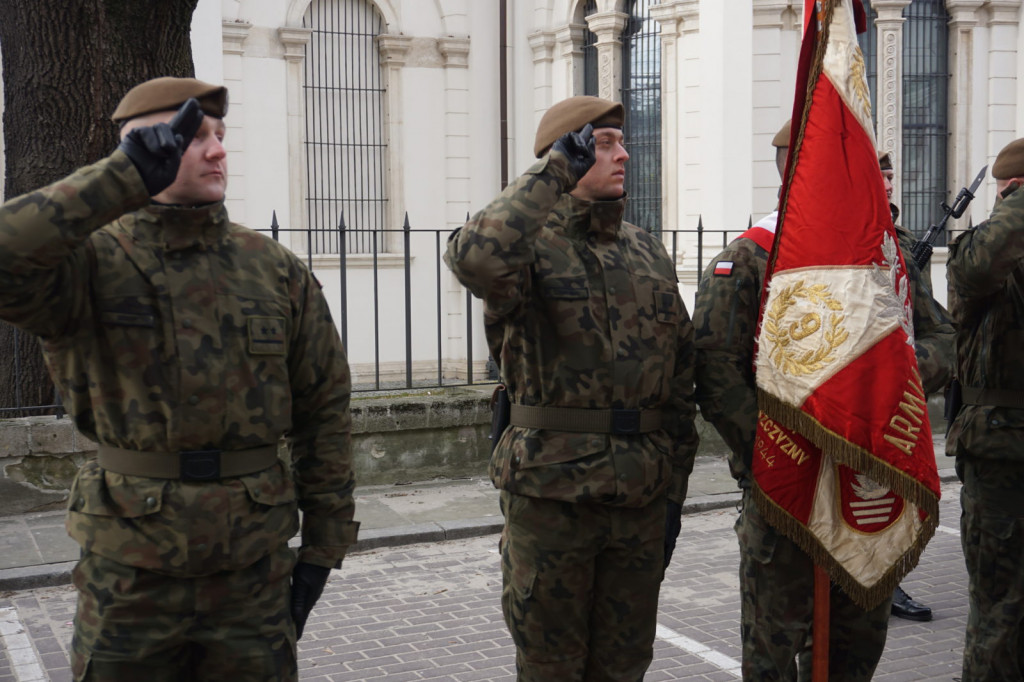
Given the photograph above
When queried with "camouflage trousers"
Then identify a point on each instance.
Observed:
(581, 586)
(992, 534)
(777, 609)
(132, 624)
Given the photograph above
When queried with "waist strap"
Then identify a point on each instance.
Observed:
(997, 397)
(585, 421)
(187, 465)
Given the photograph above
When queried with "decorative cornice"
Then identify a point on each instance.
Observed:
(1003, 11)
(769, 13)
(543, 45)
(607, 26)
(674, 17)
(570, 38)
(963, 12)
(455, 51)
(393, 48)
(234, 34)
(294, 40)
(890, 10)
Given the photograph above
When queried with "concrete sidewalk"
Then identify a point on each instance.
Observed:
(35, 550)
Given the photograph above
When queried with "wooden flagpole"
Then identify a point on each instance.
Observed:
(819, 645)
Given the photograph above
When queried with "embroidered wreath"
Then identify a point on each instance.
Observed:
(791, 360)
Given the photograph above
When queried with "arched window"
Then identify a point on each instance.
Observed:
(925, 117)
(345, 139)
(641, 96)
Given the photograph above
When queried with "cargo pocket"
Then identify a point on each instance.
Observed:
(272, 519)
(106, 512)
(516, 602)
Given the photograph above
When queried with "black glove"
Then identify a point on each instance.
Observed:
(673, 522)
(156, 150)
(578, 147)
(308, 582)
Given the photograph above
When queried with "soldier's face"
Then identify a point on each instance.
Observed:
(203, 174)
(606, 177)
(887, 177)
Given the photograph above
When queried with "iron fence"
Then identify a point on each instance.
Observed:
(406, 260)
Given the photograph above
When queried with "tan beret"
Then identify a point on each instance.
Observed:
(161, 94)
(572, 114)
(781, 138)
(1010, 162)
(884, 161)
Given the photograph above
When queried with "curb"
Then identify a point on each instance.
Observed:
(54, 575)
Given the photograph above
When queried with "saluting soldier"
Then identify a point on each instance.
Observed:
(583, 312)
(187, 346)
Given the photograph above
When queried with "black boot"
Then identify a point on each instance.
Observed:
(903, 606)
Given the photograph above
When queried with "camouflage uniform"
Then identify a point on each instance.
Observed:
(170, 329)
(986, 279)
(583, 311)
(776, 577)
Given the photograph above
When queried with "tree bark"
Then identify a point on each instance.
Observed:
(66, 65)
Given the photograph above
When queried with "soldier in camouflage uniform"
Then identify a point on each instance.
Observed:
(776, 576)
(596, 347)
(986, 288)
(186, 346)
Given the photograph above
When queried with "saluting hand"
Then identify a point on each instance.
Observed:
(156, 150)
(578, 148)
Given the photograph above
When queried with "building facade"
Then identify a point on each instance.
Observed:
(378, 114)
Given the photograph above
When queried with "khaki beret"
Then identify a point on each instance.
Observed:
(781, 138)
(162, 94)
(884, 161)
(572, 114)
(1010, 162)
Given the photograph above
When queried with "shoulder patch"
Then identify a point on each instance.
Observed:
(723, 268)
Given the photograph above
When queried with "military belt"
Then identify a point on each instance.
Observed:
(187, 465)
(997, 397)
(619, 422)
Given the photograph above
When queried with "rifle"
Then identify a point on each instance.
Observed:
(922, 251)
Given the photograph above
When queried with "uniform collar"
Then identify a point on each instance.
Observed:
(178, 227)
(598, 220)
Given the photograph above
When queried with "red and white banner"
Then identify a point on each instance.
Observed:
(843, 461)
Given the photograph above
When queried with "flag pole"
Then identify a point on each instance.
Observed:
(820, 630)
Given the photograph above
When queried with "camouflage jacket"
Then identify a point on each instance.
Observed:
(170, 329)
(986, 282)
(582, 310)
(725, 320)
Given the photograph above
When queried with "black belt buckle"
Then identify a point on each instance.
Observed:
(199, 465)
(625, 421)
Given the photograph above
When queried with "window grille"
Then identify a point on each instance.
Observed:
(868, 41)
(641, 96)
(590, 86)
(345, 143)
(925, 113)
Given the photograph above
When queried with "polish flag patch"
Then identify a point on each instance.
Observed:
(723, 268)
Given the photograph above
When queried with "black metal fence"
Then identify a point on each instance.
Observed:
(420, 316)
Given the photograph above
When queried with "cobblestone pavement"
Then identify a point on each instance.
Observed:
(431, 612)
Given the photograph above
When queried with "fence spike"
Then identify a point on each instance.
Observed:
(750, 221)
(700, 222)
(341, 220)
(405, 225)
(274, 227)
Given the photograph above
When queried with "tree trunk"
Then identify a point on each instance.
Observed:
(65, 67)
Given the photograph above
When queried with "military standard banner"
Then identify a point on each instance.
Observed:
(843, 460)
